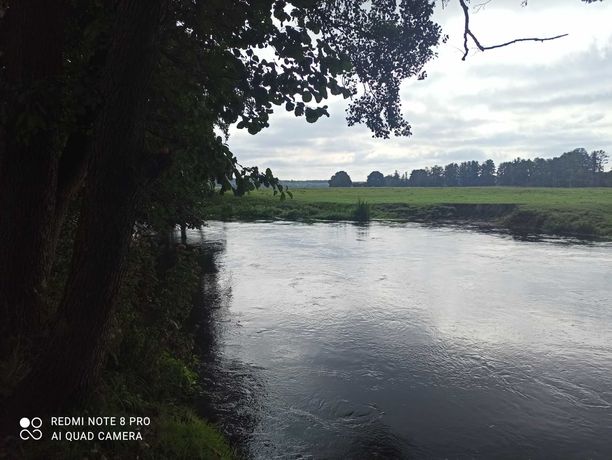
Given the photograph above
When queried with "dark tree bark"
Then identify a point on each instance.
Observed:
(69, 365)
(72, 172)
(183, 234)
(32, 46)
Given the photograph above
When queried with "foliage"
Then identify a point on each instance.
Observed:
(340, 179)
(487, 173)
(152, 339)
(150, 369)
(124, 108)
(394, 180)
(183, 435)
(380, 44)
(572, 169)
(175, 432)
(121, 111)
(361, 213)
(375, 179)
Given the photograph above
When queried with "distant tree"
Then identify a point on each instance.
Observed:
(469, 172)
(393, 180)
(515, 173)
(419, 178)
(575, 168)
(503, 173)
(340, 179)
(451, 175)
(524, 171)
(599, 158)
(463, 175)
(376, 179)
(436, 176)
(541, 173)
(487, 173)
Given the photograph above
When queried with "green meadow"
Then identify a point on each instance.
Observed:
(582, 212)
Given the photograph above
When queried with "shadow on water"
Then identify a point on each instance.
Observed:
(234, 393)
(379, 341)
(517, 235)
(230, 388)
(363, 230)
(379, 442)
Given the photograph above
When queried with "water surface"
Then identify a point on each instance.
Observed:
(402, 341)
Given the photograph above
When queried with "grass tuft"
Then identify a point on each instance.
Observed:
(183, 435)
(362, 211)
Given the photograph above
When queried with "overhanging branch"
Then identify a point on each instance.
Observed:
(467, 32)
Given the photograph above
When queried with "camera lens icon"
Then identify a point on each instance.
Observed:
(35, 423)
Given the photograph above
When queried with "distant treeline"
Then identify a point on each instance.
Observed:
(577, 168)
(304, 183)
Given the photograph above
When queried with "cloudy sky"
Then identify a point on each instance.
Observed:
(531, 99)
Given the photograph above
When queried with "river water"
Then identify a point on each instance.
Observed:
(339, 341)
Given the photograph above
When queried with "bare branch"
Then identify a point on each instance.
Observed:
(467, 32)
(481, 6)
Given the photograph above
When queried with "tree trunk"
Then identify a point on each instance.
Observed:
(70, 363)
(183, 234)
(32, 46)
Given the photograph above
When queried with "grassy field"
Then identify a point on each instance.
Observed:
(577, 212)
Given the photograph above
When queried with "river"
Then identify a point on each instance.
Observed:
(330, 341)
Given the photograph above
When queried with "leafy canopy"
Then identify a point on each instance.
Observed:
(236, 62)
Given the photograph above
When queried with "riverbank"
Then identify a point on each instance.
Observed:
(151, 371)
(579, 212)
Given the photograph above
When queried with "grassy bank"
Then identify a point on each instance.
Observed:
(584, 212)
(151, 368)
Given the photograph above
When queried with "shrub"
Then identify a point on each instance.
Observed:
(361, 212)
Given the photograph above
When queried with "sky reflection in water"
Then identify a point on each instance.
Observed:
(401, 341)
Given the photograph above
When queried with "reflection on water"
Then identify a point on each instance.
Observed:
(401, 341)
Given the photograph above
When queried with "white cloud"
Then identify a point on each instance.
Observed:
(528, 99)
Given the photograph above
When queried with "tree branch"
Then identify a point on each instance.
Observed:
(467, 32)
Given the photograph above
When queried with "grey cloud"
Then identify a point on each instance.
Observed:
(496, 111)
(580, 79)
(579, 99)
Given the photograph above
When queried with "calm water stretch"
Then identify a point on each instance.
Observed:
(400, 341)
